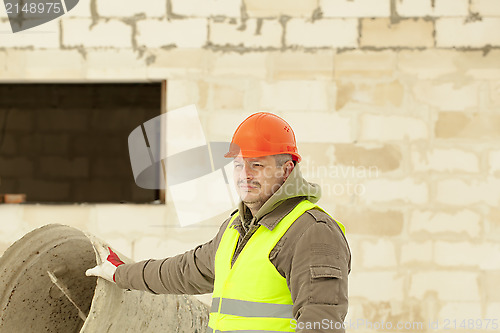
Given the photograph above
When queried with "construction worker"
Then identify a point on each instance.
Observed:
(279, 263)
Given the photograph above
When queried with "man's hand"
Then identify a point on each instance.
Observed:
(107, 269)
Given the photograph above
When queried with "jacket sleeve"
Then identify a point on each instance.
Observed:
(319, 277)
(189, 273)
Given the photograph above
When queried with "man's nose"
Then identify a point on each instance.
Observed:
(246, 173)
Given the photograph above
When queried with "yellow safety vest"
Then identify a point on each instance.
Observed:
(252, 295)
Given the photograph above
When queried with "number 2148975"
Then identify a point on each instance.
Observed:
(34, 8)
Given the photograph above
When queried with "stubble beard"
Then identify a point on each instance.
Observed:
(261, 200)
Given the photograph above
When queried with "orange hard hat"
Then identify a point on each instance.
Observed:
(263, 134)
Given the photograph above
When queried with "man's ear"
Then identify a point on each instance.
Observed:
(288, 167)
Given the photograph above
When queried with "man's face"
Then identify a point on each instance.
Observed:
(256, 179)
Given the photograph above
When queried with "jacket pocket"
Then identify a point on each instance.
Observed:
(325, 284)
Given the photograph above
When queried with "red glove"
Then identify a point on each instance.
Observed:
(107, 269)
(114, 259)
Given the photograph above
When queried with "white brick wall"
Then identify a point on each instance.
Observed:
(416, 252)
(205, 8)
(231, 94)
(459, 313)
(456, 254)
(355, 8)
(112, 64)
(447, 96)
(386, 286)
(276, 8)
(380, 253)
(462, 254)
(181, 93)
(383, 33)
(12, 64)
(427, 64)
(488, 254)
(300, 64)
(234, 65)
(481, 67)
(121, 244)
(82, 9)
(445, 160)
(183, 33)
(492, 309)
(494, 161)
(407, 190)
(459, 192)
(414, 8)
(36, 216)
(3, 12)
(34, 65)
(44, 36)
(128, 8)
(451, 8)
(449, 285)
(214, 132)
(495, 94)
(179, 240)
(359, 64)
(267, 35)
(485, 7)
(320, 127)
(3, 63)
(13, 225)
(158, 248)
(375, 95)
(176, 63)
(464, 222)
(80, 32)
(115, 220)
(387, 128)
(295, 96)
(419, 8)
(453, 32)
(322, 33)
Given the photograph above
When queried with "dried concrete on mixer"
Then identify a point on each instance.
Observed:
(43, 288)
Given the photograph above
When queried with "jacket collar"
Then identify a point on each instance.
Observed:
(271, 220)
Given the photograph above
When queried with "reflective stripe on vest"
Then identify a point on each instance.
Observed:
(252, 295)
(236, 307)
(209, 330)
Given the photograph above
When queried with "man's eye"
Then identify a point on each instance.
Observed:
(255, 165)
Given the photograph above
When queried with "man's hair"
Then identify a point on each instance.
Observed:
(282, 159)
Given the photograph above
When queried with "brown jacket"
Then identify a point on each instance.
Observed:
(313, 256)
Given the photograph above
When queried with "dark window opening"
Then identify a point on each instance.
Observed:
(69, 142)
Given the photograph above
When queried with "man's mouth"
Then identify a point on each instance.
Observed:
(247, 186)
